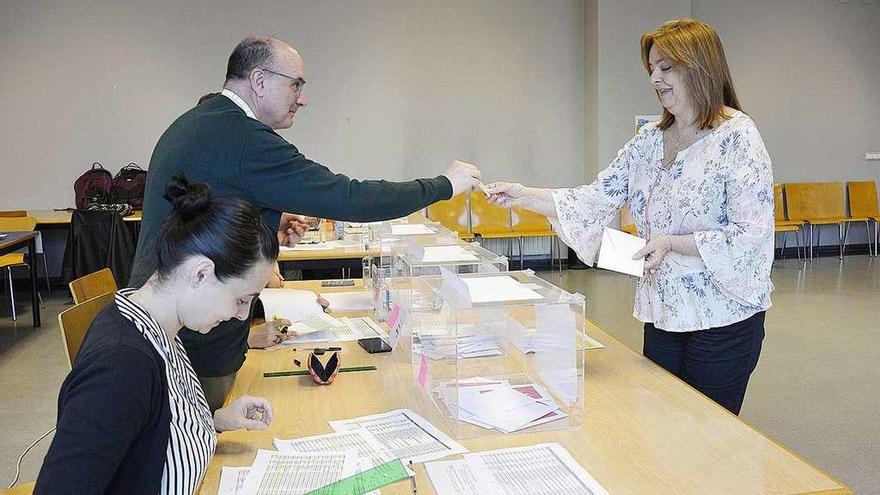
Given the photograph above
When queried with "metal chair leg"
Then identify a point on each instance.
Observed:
(784, 239)
(558, 251)
(811, 240)
(798, 243)
(46, 270)
(521, 257)
(11, 291)
(868, 234)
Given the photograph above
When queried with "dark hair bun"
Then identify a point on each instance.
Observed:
(187, 200)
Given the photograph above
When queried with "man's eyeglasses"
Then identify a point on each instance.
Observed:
(297, 83)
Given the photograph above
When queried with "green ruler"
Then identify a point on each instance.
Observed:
(367, 481)
(272, 374)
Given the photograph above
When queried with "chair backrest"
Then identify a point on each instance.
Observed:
(527, 221)
(778, 203)
(13, 213)
(805, 201)
(92, 285)
(452, 214)
(17, 223)
(21, 489)
(75, 322)
(862, 198)
(627, 224)
(486, 218)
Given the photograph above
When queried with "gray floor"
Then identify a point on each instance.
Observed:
(816, 389)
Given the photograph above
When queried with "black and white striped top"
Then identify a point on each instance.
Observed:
(192, 436)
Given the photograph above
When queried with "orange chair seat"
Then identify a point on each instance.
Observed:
(535, 233)
(787, 228)
(825, 220)
(11, 259)
(796, 223)
(496, 235)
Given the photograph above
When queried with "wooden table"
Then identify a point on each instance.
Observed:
(644, 432)
(13, 241)
(346, 257)
(62, 218)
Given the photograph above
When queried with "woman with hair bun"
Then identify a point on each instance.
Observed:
(132, 417)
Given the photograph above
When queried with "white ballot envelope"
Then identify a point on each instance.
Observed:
(617, 251)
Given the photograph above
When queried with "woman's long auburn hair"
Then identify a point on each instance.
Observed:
(695, 47)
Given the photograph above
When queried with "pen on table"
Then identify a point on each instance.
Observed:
(282, 328)
(325, 349)
(412, 479)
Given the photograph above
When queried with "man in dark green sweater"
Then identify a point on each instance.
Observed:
(230, 143)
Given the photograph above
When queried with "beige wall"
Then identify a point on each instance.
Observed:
(396, 88)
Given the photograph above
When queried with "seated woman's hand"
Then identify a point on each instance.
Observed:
(325, 304)
(251, 413)
(269, 333)
(506, 194)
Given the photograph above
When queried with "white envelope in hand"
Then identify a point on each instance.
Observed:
(617, 251)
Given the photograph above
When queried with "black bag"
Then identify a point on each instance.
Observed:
(129, 185)
(94, 186)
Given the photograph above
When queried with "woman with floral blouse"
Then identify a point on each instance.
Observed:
(699, 185)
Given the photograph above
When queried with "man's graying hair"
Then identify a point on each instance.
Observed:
(251, 53)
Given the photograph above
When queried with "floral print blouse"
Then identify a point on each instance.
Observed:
(720, 189)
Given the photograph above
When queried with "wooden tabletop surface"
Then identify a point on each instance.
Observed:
(644, 432)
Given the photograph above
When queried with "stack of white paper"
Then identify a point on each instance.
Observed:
(499, 405)
(408, 436)
(232, 479)
(296, 473)
(304, 464)
(325, 328)
(464, 345)
(529, 340)
(447, 254)
(290, 304)
(410, 229)
(542, 469)
(370, 453)
(349, 301)
(498, 289)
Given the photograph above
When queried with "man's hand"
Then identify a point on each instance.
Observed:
(291, 229)
(463, 176)
(251, 413)
(269, 333)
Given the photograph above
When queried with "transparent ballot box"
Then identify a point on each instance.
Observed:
(380, 238)
(401, 229)
(412, 260)
(498, 353)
